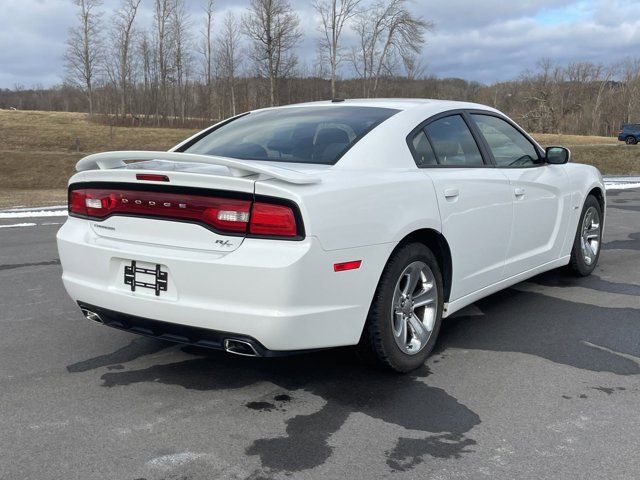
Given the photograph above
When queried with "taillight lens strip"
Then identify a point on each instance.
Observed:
(228, 215)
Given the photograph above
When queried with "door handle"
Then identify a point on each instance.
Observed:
(519, 192)
(451, 193)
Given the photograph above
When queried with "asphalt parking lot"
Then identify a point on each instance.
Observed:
(540, 381)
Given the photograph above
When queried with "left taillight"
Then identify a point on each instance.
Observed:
(223, 214)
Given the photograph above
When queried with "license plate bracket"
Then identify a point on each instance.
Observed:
(160, 278)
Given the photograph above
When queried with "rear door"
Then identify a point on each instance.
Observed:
(475, 200)
(539, 190)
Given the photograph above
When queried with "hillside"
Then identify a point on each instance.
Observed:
(37, 151)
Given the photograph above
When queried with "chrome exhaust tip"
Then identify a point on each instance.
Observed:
(93, 316)
(240, 347)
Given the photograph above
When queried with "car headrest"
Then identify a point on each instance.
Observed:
(448, 148)
(332, 135)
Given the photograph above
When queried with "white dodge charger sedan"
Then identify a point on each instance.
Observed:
(357, 222)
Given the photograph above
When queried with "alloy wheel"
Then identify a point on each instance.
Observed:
(591, 235)
(414, 308)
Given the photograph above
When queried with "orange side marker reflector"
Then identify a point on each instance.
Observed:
(341, 267)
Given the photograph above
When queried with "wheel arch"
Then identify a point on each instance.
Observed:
(600, 196)
(438, 244)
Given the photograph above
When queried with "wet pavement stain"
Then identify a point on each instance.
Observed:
(632, 243)
(409, 452)
(35, 264)
(261, 406)
(629, 208)
(137, 348)
(609, 390)
(599, 339)
(346, 385)
(560, 278)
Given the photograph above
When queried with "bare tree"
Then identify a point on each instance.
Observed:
(123, 35)
(84, 48)
(182, 58)
(207, 52)
(334, 15)
(162, 17)
(387, 33)
(229, 55)
(273, 28)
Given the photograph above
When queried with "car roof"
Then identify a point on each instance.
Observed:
(395, 103)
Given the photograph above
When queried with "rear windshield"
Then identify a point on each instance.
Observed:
(297, 134)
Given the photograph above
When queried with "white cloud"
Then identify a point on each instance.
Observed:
(480, 40)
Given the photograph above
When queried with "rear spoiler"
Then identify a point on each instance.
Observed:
(237, 168)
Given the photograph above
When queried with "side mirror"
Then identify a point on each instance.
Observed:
(557, 155)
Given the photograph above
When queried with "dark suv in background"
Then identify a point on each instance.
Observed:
(629, 133)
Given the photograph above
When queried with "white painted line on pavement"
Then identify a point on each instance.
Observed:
(18, 225)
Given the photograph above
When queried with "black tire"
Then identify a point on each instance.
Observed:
(377, 343)
(578, 265)
(631, 140)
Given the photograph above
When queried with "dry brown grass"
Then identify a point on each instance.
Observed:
(551, 139)
(57, 132)
(37, 151)
(609, 155)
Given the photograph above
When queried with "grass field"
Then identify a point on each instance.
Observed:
(37, 151)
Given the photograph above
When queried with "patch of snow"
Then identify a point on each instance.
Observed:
(621, 185)
(170, 461)
(34, 214)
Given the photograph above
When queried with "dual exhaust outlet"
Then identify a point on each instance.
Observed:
(231, 345)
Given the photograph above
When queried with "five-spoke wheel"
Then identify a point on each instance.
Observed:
(588, 239)
(406, 311)
(414, 308)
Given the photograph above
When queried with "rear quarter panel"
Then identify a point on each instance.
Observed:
(356, 208)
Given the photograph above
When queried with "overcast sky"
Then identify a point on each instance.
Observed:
(483, 40)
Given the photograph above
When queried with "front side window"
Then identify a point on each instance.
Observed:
(509, 147)
(453, 142)
(296, 134)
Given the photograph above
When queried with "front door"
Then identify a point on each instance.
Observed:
(541, 202)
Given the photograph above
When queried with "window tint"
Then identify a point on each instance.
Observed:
(453, 143)
(424, 155)
(509, 147)
(296, 134)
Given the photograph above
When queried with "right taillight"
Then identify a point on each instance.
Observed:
(272, 219)
(227, 215)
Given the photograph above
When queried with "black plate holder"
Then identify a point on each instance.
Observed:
(130, 272)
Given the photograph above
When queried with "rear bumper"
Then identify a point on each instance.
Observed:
(173, 332)
(283, 295)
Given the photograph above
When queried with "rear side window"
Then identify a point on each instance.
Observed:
(296, 134)
(453, 142)
(423, 152)
(509, 147)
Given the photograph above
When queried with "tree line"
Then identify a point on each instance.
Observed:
(183, 67)
(190, 71)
